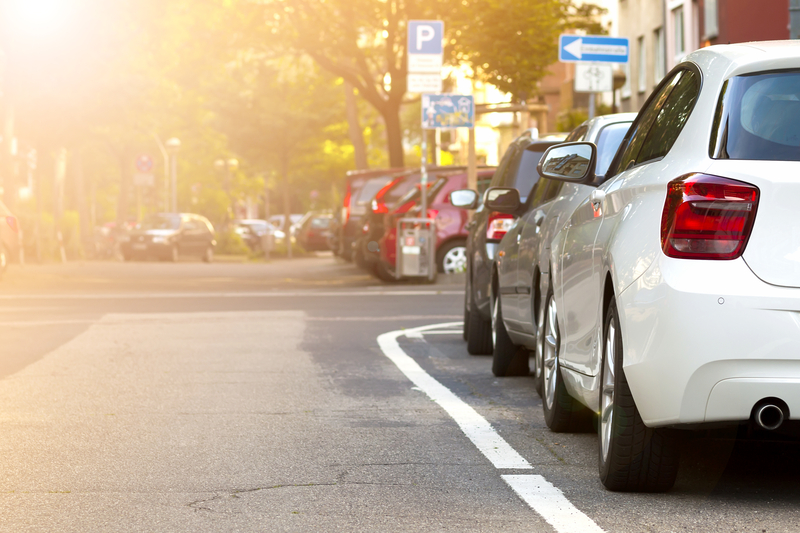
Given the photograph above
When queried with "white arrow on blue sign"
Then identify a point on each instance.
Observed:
(594, 48)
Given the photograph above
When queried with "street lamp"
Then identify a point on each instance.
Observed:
(228, 166)
(173, 145)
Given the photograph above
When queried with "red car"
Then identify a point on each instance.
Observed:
(451, 248)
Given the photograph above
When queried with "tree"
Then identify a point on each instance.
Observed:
(510, 42)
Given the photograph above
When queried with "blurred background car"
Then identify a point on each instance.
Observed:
(168, 236)
(9, 237)
(450, 223)
(360, 188)
(517, 169)
(253, 230)
(314, 232)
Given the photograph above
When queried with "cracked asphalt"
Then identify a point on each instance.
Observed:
(254, 397)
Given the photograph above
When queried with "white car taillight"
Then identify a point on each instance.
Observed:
(707, 217)
(499, 224)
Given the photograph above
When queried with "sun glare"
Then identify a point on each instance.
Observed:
(37, 18)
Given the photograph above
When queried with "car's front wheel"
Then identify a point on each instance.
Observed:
(562, 412)
(633, 457)
(208, 255)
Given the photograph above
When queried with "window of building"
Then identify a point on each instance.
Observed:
(642, 64)
(677, 24)
(625, 91)
(660, 66)
(710, 20)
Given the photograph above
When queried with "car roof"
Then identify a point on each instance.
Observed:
(741, 58)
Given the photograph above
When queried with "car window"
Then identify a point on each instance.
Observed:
(608, 143)
(671, 118)
(527, 176)
(641, 126)
(160, 222)
(577, 135)
(502, 171)
(758, 118)
(368, 190)
(320, 222)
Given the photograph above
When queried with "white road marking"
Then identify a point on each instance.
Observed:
(474, 426)
(535, 490)
(262, 294)
(547, 500)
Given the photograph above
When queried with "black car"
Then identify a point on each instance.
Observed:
(517, 169)
(168, 236)
(360, 189)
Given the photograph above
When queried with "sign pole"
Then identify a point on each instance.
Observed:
(591, 105)
(424, 177)
(472, 162)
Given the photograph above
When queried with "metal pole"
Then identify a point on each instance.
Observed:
(591, 105)
(472, 162)
(174, 183)
(424, 177)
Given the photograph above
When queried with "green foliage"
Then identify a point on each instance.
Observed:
(571, 119)
(230, 243)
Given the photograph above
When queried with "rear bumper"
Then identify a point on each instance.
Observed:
(704, 341)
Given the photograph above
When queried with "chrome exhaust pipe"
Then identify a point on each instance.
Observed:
(768, 416)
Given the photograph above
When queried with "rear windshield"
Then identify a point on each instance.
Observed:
(160, 222)
(527, 176)
(369, 189)
(758, 118)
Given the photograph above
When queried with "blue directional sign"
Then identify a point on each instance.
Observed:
(447, 111)
(594, 48)
(425, 36)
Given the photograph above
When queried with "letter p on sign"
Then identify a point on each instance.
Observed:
(425, 36)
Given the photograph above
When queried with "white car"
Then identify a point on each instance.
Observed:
(674, 300)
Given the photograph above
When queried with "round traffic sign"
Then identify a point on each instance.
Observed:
(144, 163)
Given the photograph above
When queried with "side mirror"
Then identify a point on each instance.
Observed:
(572, 162)
(503, 200)
(464, 198)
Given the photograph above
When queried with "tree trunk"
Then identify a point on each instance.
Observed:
(354, 127)
(80, 197)
(124, 189)
(394, 134)
(287, 205)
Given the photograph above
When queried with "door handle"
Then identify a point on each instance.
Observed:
(539, 218)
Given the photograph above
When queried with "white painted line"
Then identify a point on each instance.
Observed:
(260, 294)
(540, 495)
(452, 332)
(547, 500)
(474, 426)
(378, 318)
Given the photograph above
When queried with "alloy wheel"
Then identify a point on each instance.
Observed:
(550, 353)
(455, 260)
(607, 399)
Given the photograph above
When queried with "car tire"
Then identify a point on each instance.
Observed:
(632, 456)
(208, 255)
(479, 333)
(174, 254)
(465, 325)
(452, 257)
(508, 359)
(562, 412)
(383, 273)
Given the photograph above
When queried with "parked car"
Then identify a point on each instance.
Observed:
(314, 233)
(9, 237)
(168, 236)
(253, 230)
(360, 188)
(675, 285)
(517, 169)
(386, 201)
(519, 280)
(450, 222)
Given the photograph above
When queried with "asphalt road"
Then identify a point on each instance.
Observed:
(253, 397)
